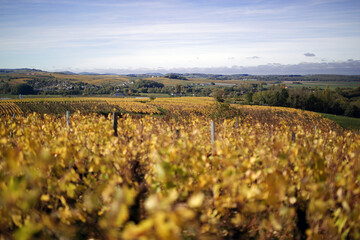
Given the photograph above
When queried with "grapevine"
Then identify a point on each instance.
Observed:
(274, 176)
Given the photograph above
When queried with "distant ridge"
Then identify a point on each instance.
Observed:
(89, 73)
(66, 73)
(20, 70)
(110, 74)
(94, 73)
(154, 74)
(145, 75)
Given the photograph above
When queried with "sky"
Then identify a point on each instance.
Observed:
(209, 36)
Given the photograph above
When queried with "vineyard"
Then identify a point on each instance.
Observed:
(9, 108)
(271, 173)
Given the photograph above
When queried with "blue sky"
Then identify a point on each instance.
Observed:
(208, 36)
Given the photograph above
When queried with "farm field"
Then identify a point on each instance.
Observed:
(93, 79)
(18, 78)
(345, 122)
(271, 173)
(323, 84)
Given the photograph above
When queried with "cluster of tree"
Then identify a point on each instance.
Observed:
(175, 76)
(23, 88)
(340, 102)
(52, 87)
(147, 84)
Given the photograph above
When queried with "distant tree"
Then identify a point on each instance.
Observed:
(258, 98)
(220, 111)
(22, 89)
(249, 96)
(284, 95)
(326, 99)
(5, 88)
(143, 90)
(147, 84)
(312, 103)
(205, 92)
(182, 89)
(175, 76)
(260, 87)
(178, 88)
(218, 94)
(352, 111)
(336, 108)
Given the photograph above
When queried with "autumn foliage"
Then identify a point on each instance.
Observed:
(275, 176)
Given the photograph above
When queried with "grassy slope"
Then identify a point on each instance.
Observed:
(322, 85)
(93, 79)
(345, 122)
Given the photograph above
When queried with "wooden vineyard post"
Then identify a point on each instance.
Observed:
(68, 118)
(315, 130)
(236, 122)
(212, 128)
(13, 116)
(141, 131)
(115, 123)
(293, 137)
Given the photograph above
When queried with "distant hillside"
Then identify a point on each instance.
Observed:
(89, 73)
(66, 73)
(20, 70)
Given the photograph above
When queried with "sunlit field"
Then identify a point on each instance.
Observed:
(271, 173)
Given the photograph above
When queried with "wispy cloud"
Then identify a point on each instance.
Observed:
(174, 33)
(320, 2)
(309, 54)
(253, 57)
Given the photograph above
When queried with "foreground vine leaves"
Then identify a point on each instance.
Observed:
(159, 180)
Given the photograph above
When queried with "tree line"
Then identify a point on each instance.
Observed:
(339, 101)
